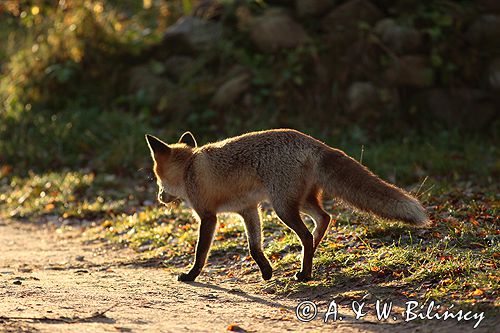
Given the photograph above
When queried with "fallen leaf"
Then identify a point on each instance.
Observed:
(49, 207)
(477, 292)
(447, 281)
(235, 328)
(474, 221)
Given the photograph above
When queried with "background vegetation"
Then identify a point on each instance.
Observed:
(83, 80)
(409, 87)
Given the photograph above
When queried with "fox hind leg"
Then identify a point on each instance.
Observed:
(254, 235)
(289, 214)
(312, 206)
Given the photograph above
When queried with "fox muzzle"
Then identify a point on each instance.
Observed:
(166, 198)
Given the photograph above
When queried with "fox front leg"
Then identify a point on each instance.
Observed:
(205, 237)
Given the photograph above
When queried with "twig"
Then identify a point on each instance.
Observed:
(421, 184)
(361, 157)
(98, 314)
(61, 319)
(424, 192)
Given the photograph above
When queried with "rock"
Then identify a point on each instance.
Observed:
(148, 203)
(468, 108)
(276, 30)
(410, 71)
(194, 33)
(176, 66)
(346, 17)
(494, 74)
(489, 6)
(479, 108)
(229, 92)
(149, 86)
(398, 38)
(144, 248)
(17, 282)
(235, 328)
(437, 103)
(281, 3)
(25, 269)
(312, 7)
(484, 31)
(244, 17)
(362, 95)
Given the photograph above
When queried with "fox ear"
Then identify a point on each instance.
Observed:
(188, 138)
(156, 145)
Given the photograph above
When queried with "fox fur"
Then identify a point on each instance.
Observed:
(291, 170)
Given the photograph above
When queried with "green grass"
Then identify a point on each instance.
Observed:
(455, 261)
(442, 154)
(87, 138)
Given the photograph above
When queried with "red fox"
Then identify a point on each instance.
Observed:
(291, 170)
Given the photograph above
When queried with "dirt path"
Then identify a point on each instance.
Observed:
(48, 275)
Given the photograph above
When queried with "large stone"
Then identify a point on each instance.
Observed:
(438, 103)
(489, 6)
(472, 109)
(231, 90)
(312, 7)
(276, 30)
(147, 85)
(485, 31)
(362, 95)
(494, 74)
(398, 38)
(176, 66)
(347, 17)
(281, 3)
(244, 17)
(410, 71)
(193, 33)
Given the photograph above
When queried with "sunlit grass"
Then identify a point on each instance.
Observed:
(455, 260)
(66, 196)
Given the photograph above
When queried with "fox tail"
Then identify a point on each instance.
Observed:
(343, 177)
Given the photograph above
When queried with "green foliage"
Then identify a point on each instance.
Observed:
(442, 23)
(73, 53)
(69, 195)
(414, 157)
(61, 92)
(76, 138)
(66, 95)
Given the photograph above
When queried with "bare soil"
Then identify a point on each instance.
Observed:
(56, 282)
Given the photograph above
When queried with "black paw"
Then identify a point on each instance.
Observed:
(186, 277)
(302, 276)
(267, 273)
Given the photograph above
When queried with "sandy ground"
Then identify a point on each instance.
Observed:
(52, 282)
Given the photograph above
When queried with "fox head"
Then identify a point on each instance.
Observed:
(169, 163)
